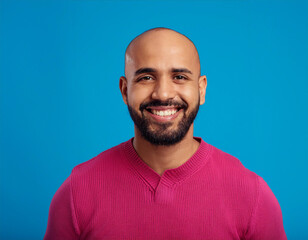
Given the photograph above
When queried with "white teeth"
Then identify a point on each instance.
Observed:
(164, 113)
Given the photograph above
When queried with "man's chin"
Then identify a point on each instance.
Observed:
(162, 133)
(163, 137)
(162, 140)
(159, 126)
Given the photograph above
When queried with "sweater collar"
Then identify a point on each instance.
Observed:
(171, 176)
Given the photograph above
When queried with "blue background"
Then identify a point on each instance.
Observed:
(61, 105)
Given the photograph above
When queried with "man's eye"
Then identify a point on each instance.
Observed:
(145, 78)
(180, 77)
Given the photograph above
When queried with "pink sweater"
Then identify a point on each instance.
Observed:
(117, 196)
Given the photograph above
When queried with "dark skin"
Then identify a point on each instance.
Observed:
(163, 65)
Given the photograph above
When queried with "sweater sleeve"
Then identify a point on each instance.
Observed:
(266, 221)
(62, 222)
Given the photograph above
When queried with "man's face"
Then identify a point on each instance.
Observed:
(162, 86)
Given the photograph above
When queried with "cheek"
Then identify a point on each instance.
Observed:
(190, 94)
(137, 95)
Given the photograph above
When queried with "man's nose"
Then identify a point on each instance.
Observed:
(164, 89)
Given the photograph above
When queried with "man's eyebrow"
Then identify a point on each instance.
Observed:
(180, 70)
(145, 70)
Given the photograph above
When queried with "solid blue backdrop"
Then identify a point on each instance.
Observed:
(61, 105)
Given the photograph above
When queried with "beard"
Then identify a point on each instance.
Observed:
(162, 135)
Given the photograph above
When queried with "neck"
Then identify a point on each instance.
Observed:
(161, 158)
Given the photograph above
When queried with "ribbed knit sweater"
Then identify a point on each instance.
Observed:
(116, 195)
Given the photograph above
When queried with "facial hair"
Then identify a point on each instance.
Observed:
(162, 135)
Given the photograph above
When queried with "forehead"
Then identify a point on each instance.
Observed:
(162, 50)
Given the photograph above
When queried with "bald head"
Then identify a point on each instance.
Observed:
(158, 30)
(163, 47)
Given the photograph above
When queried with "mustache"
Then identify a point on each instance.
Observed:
(156, 103)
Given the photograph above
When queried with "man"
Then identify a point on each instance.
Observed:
(164, 183)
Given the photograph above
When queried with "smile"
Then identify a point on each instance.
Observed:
(163, 113)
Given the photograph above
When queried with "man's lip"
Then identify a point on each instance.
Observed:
(162, 119)
(163, 108)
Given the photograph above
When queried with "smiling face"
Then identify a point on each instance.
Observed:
(162, 88)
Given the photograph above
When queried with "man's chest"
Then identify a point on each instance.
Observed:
(163, 214)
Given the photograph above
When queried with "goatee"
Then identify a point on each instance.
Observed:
(162, 135)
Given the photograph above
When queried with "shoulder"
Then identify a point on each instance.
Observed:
(266, 219)
(107, 159)
(231, 168)
(101, 169)
(242, 189)
(239, 185)
(93, 180)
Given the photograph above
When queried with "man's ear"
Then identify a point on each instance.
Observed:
(202, 88)
(123, 88)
